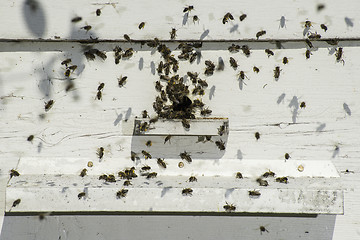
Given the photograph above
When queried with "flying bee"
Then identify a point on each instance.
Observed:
(307, 24)
(254, 193)
(173, 34)
(308, 54)
(262, 182)
(268, 173)
(127, 38)
(188, 9)
(277, 72)
(285, 60)
(81, 195)
(98, 12)
(67, 73)
(192, 179)
(227, 17)
(30, 138)
(324, 27)
(242, 17)
(66, 62)
(302, 105)
(100, 54)
(98, 95)
(195, 18)
(148, 143)
(141, 25)
(263, 229)
(48, 105)
(246, 50)
(122, 193)
(146, 154)
(87, 28)
(220, 144)
(242, 75)
(89, 56)
(101, 86)
(234, 48)
(151, 175)
(339, 54)
(72, 68)
(233, 63)
(127, 183)
(122, 81)
(269, 52)
(133, 156)
(257, 135)
(100, 152)
(256, 69)
(14, 173)
(144, 114)
(205, 112)
(229, 207)
(146, 168)
(128, 53)
(221, 130)
(287, 156)
(185, 123)
(161, 163)
(260, 33)
(83, 172)
(238, 175)
(16, 202)
(187, 191)
(76, 19)
(186, 156)
(282, 180)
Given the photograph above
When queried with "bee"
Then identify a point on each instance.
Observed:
(148, 143)
(185, 123)
(246, 50)
(233, 63)
(89, 56)
(332, 41)
(242, 17)
(282, 180)
(324, 27)
(221, 130)
(242, 75)
(146, 168)
(287, 156)
(146, 154)
(308, 43)
(163, 96)
(347, 171)
(83, 172)
(30, 138)
(227, 17)
(220, 144)
(100, 54)
(198, 103)
(234, 48)
(307, 24)
(98, 12)
(210, 64)
(16, 202)
(308, 54)
(277, 72)
(128, 53)
(302, 105)
(285, 60)
(339, 54)
(186, 156)
(49, 105)
(314, 36)
(257, 135)
(160, 67)
(205, 112)
(192, 58)
(127, 183)
(269, 52)
(127, 38)
(268, 173)
(73, 68)
(100, 152)
(195, 18)
(90, 164)
(122, 193)
(151, 175)
(188, 9)
(117, 59)
(101, 86)
(262, 182)
(98, 95)
(76, 19)
(187, 191)
(66, 62)
(144, 127)
(87, 28)
(144, 114)
(256, 69)
(263, 229)
(67, 73)
(173, 34)
(69, 86)
(167, 139)
(110, 178)
(103, 177)
(229, 207)
(238, 175)
(121, 175)
(122, 81)
(192, 179)
(14, 173)
(161, 162)
(81, 195)
(254, 193)
(141, 25)
(260, 33)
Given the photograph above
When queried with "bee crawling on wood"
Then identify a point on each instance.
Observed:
(122, 193)
(242, 17)
(81, 195)
(146, 168)
(16, 202)
(222, 130)
(185, 123)
(89, 56)
(167, 139)
(66, 62)
(339, 55)
(186, 156)
(246, 50)
(302, 105)
(100, 152)
(98, 95)
(233, 63)
(269, 52)
(148, 143)
(122, 81)
(151, 175)
(98, 12)
(260, 33)
(192, 179)
(263, 229)
(173, 34)
(227, 17)
(269, 174)
(229, 207)
(127, 183)
(308, 54)
(141, 25)
(256, 69)
(144, 127)
(100, 54)
(314, 35)
(128, 53)
(234, 48)
(76, 19)
(257, 135)
(238, 175)
(220, 144)
(282, 180)
(254, 193)
(87, 28)
(205, 112)
(287, 156)
(324, 27)
(187, 191)
(14, 173)
(83, 172)
(161, 162)
(188, 9)
(262, 182)
(285, 60)
(30, 138)
(195, 18)
(127, 38)
(277, 72)
(48, 105)
(146, 154)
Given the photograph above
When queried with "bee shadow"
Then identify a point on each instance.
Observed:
(185, 18)
(34, 17)
(349, 22)
(141, 63)
(294, 103)
(204, 34)
(281, 98)
(347, 109)
(321, 127)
